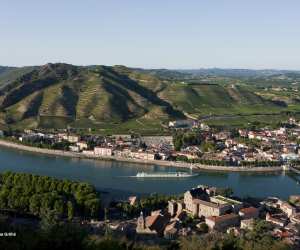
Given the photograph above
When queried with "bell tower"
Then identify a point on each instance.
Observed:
(141, 223)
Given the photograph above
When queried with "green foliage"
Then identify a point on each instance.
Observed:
(259, 239)
(185, 139)
(101, 97)
(226, 192)
(43, 196)
(70, 236)
(145, 204)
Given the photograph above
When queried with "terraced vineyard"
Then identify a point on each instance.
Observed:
(118, 98)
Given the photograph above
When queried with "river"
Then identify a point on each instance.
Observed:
(113, 176)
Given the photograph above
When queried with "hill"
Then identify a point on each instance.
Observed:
(116, 98)
(61, 94)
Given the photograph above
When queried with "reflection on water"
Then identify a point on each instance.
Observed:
(105, 176)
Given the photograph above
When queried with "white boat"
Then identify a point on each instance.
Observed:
(164, 175)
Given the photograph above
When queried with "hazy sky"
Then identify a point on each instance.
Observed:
(152, 33)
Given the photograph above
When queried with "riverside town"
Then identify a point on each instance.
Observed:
(192, 144)
(150, 125)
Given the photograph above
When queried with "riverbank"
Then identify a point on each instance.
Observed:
(185, 165)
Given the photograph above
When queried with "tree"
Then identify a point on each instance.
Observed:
(70, 208)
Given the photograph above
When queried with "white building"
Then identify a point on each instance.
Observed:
(99, 151)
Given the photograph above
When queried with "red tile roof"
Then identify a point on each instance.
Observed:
(249, 210)
(222, 218)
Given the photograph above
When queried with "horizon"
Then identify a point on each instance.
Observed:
(171, 34)
(162, 68)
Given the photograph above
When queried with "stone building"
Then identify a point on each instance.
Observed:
(207, 208)
(249, 213)
(221, 223)
(287, 208)
(152, 225)
(195, 193)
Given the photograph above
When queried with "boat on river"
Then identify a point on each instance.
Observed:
(165, 175)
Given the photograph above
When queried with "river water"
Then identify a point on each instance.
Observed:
(113, 176)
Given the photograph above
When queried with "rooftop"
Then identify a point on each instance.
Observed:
(248, 210)
(222, 217)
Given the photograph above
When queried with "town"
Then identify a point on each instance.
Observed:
(190, 142)
(204, 210)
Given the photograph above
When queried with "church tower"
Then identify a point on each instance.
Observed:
(141, 223)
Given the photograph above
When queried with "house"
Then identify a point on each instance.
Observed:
(295, 218)
(277, 219)
(71, 138)
(99, 151)
(82, 145)
(188, 154)
(247, 224)
(88, 152)
(74, 148)
(288, 209)
(249, 213)
(221, 223)
(143, 155)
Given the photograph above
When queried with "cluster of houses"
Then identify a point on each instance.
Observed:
(277, 145)
(222, 214)
(119, 146)
(260, 145)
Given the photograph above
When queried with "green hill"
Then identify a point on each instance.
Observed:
(94, 96)
(114, 98)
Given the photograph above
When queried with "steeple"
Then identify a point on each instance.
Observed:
(141, 223)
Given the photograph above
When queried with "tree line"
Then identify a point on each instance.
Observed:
(39, 195)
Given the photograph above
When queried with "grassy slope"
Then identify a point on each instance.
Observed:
(117, 99)
(57, 95)
(205, 99)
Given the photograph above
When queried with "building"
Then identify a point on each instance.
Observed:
(247, 224)
(74, 148)
(195, 193)
(288, 209)
(221, 223)
(222, 200)
(175, 207)
(71, 138)
(208, 208)
(172, 207)
(277, 219)
(182, 124)
(142, 228)
(249, 213)
(154, 224)
(82, 145)
(295, 218)
(88, 153)
(99, 151)
(200, 202)
(143, 155)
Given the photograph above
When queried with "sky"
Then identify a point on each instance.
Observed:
(175, 34)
